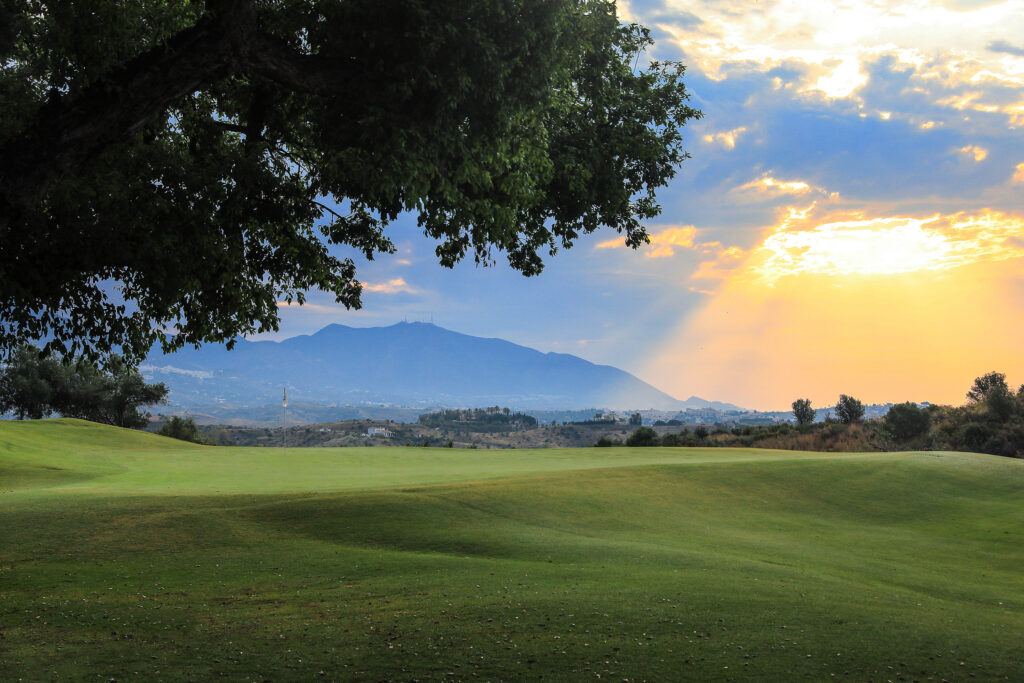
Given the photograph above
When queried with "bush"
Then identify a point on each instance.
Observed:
(672, 440)
(998, 445)
(35, 386)
(605, 442)
(974, 435)
(906, 421)
(184, 429)
(645, 436)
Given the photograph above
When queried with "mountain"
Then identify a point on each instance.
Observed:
(408, 364)
(698, 403)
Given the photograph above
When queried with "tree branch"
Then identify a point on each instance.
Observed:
(69, 131)
(277, 61)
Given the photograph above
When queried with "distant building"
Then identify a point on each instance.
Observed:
(379, 431)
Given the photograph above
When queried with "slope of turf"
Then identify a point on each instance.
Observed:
(126, 555)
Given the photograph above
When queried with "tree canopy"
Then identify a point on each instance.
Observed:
(849, 410)
(33, 386)
(907, 420)
(803, 412)
(184, 167)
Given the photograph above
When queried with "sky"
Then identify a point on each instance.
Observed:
(851, 220)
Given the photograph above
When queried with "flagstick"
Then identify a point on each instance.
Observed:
(284, 422)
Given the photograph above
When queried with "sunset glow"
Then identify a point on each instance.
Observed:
(887, 246)
(851, 218)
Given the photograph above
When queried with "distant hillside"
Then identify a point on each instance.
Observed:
(408, 364)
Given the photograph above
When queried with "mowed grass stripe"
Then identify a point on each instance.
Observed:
(62, 456)
(718, 565)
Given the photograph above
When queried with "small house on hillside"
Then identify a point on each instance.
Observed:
(379, 431)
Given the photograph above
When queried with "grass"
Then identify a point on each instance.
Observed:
(129, 556)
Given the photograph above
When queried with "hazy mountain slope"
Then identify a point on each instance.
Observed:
(406, 364)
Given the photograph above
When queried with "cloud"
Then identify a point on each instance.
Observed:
(725, 262)
(770, 186)
(170, 369)
(662, 243)
(973, 151)
(1005, 47)
(888, 245)
(727, 138)
(394, 286)
(1018, 176)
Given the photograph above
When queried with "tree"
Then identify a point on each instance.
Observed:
(644, 436)
(987, 384)
(636, 419)
(907, 420)
(34, 386)
(125, 392)
(26, 384)
(992, 391)
(849, 410)
(803, 412)
(205, 156)
(183, 428)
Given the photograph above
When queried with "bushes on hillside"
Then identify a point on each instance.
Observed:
(991, 422)
(907, 421)
(33, 386)
(184, 429)
(644, 436)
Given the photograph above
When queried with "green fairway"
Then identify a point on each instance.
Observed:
(129, 556)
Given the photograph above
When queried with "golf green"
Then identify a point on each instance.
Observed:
(129, 556)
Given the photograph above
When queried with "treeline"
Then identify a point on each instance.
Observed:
(33, 386)
(494, 417)
(992, 421)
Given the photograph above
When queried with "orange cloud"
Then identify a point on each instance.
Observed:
(973, 151)
(390, 287)
(1018, 176)
(725, 263)
(662, 243)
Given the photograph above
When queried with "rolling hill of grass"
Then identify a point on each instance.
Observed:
(125, 555)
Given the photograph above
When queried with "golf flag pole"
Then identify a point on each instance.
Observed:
(284, 418)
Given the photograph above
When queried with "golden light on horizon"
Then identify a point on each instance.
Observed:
(886, 309)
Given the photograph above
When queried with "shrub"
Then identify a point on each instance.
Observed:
(645, 436)
(183, 428)
(906, 421)
(974, 435)
(672, 440)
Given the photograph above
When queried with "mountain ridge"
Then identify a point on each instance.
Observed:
(412, 364)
